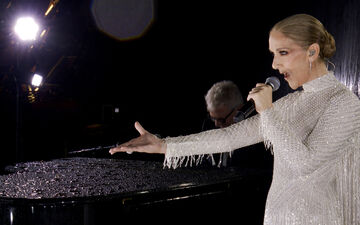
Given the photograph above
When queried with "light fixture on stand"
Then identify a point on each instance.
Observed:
(27, 31)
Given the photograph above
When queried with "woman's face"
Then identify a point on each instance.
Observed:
(290, 59)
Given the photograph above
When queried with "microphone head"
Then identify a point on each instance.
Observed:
(274, 82)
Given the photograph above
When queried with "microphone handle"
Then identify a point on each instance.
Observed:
(250, 105)
(249, 108)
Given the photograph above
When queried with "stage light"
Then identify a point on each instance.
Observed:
(51, 6)
(36, 80)
(43, 33)
(26, 28)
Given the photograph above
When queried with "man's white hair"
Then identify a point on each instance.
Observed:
(223, 93)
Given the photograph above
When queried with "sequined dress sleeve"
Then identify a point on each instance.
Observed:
(190, 149)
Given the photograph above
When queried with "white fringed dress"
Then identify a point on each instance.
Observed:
(315, 138)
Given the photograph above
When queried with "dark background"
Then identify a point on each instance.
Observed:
(159, 78)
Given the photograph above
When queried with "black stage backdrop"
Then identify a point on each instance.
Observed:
(97, 86)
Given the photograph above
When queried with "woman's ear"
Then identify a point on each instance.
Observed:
(313, 51)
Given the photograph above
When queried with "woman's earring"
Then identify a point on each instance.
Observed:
(312, 52)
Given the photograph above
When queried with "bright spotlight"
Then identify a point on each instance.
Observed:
(26, 28)
(36, 80)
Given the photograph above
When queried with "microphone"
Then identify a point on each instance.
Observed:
(249, 107)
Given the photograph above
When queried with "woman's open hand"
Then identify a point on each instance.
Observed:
(146, 142)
